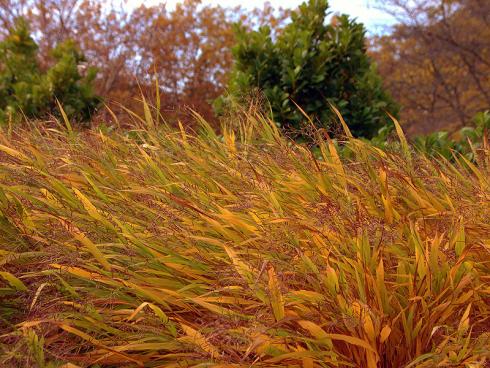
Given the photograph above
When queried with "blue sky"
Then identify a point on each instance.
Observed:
(364, 10)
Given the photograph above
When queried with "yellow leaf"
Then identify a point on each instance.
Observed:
(352, 340)
(13, 281)
(65, 118)
(320, 334)
(384, 334)
(36, 295)
(277, 299)
(337, 165)
(308, 363)
(241, 267)
(371, 359)
(198, 339)
(90, 208)
(229, 137)
(235, 220)
(403, 139)
(459, 239)
(85, 241)
(465, 320)
(368, 327)
(344, 125)
(388, 208)
(137, 310)
(356, 309)
(11, 152)
(80, 272)
(332, 280)
(315, 330)
(308, 295)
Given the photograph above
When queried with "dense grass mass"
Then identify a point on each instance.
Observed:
(159, 248)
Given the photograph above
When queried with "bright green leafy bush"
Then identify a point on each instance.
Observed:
(312, 64)
(27, 90)
(466, 141)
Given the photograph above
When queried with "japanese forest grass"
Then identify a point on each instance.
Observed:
(161, 248)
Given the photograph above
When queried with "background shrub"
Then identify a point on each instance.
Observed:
(311, 63)
(25, 89)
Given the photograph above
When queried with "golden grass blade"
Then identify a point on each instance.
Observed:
(198, 339)
(14, 153)
(85, 241)
(341, 119)
(65, 119)
(277, 300)
(13, 281)
(403, 139)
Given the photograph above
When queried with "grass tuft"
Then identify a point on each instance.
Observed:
(159, 248)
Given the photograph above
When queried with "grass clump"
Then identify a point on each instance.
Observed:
(165, 249)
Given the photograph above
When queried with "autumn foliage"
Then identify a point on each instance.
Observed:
(436, 62)
(187, 49)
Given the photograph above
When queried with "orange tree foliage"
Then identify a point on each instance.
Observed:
(187, 49)
(436, 62)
